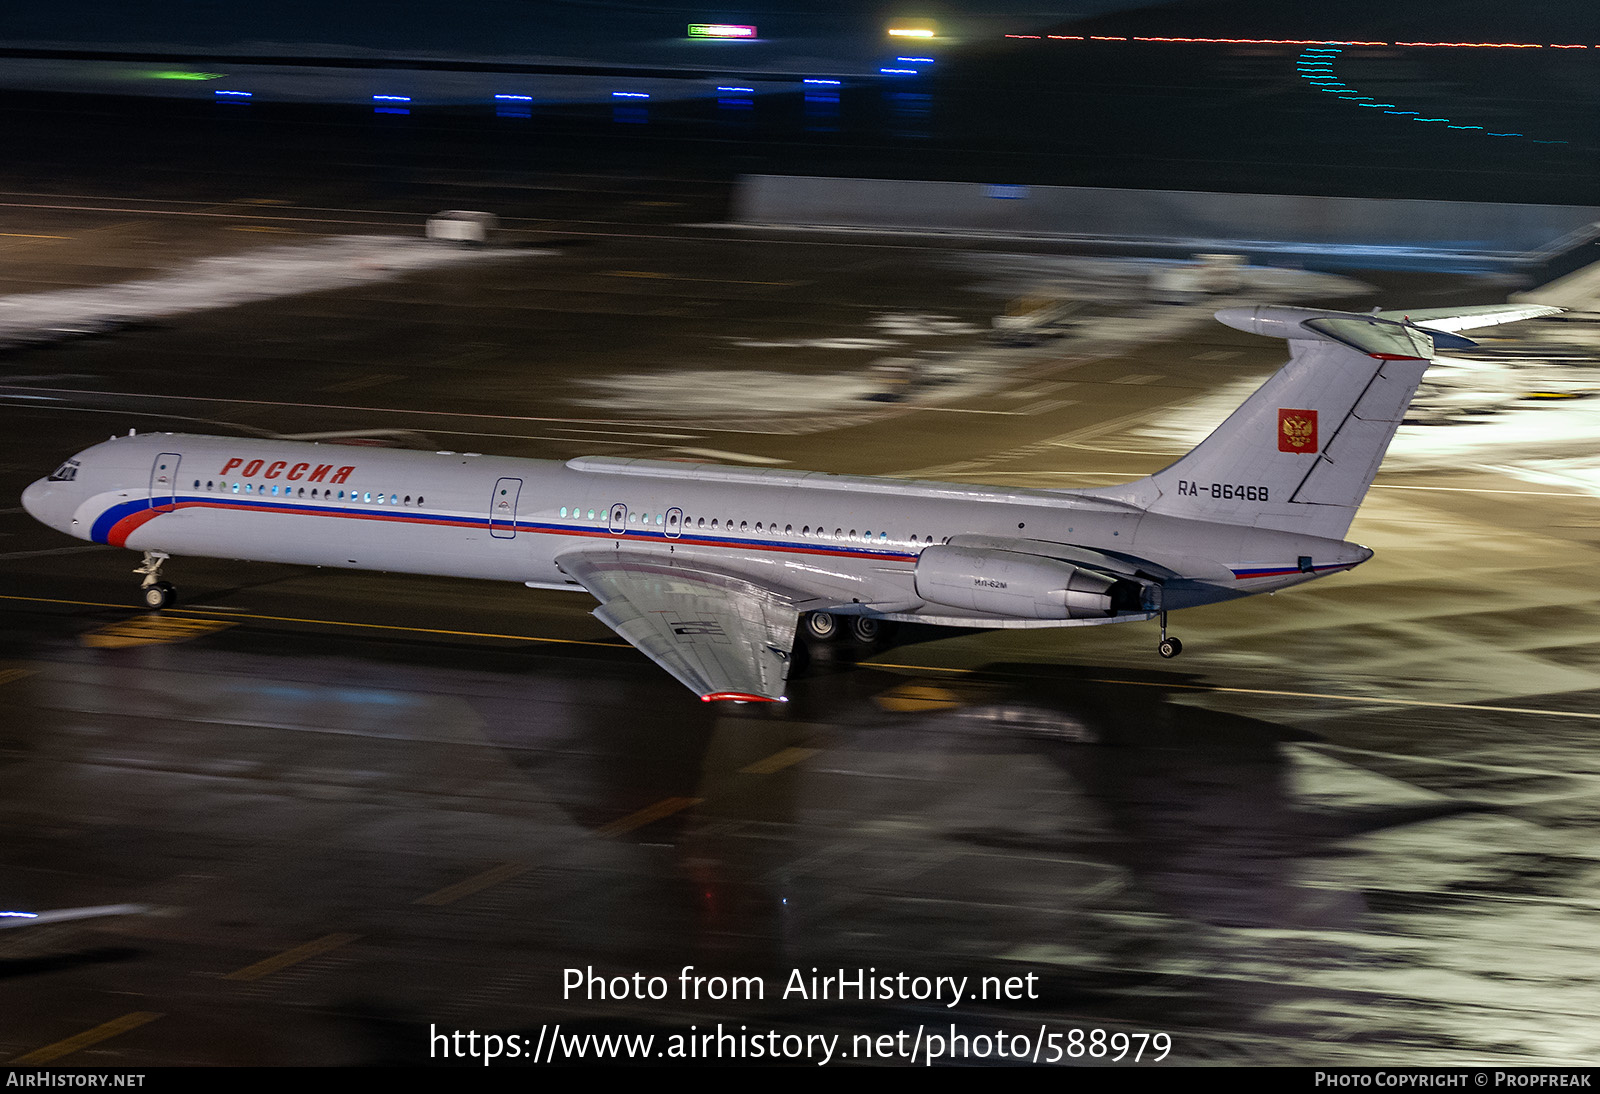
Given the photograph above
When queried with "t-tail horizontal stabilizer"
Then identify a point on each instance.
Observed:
(1300, 454)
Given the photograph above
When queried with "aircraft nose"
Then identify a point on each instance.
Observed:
(45, 502)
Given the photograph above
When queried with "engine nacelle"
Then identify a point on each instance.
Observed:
(1012, 584)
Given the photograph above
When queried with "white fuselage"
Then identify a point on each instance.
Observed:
(848, 544)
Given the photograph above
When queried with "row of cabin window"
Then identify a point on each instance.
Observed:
(744, 526)
(316, 494)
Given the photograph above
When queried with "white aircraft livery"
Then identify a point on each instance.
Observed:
(713, 572)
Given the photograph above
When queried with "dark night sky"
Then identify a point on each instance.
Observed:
(495, 27)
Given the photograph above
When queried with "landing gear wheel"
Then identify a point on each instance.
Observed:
(160, 595)
(820, 626)
(1170, 647)
(865, 629)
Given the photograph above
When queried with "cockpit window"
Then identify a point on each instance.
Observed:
(66, 472)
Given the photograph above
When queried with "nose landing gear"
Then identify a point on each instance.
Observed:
(157, 594)
(1169, 647)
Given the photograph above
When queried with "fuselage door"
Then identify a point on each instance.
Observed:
(164, 481)
(674, 523)
(619, 518)
(503, 508)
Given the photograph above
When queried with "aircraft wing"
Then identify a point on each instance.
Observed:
(720, 634)
(1454, 319)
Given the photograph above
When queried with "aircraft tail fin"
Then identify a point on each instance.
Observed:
(1300, 454)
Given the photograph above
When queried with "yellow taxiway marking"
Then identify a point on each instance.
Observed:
(278, 962)
(29, 235)
(11, 676)
(914, 697)
(787, 757)
(493, 876)
(88, 1037)
(1379, 699)
(648, 815)
(233, 614)
(260, 228)
(150, 630)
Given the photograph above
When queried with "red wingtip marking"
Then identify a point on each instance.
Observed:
(1396, 357)
(737, 697)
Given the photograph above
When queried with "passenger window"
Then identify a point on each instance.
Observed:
(419, 499)
(563, 509)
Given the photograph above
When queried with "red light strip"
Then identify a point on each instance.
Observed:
(1264, 41)
(1298, 42)
(1477, 45)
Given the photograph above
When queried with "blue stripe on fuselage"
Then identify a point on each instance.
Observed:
(107, 520)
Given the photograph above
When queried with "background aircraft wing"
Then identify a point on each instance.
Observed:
(721, 635)
(1454, 319)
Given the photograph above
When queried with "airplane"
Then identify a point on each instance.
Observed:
(716, 572)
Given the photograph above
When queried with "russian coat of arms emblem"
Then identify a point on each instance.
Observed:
(1297, 431)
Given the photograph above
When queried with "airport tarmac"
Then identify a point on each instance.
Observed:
(1350, 825)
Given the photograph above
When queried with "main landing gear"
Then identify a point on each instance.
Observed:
(157, 594)
(824, 627)
(1170, 647)
(831, 637)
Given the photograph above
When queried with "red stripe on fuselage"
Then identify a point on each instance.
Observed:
(119, 532)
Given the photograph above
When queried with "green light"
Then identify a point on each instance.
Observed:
(177, 75)
(721, 30)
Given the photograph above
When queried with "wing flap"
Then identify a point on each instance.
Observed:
(721, 635)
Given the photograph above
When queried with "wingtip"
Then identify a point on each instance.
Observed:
(741, 697)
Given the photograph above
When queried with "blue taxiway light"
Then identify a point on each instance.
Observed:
(630, 95)
(391, 98)
(516, 98)
(828, 83)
